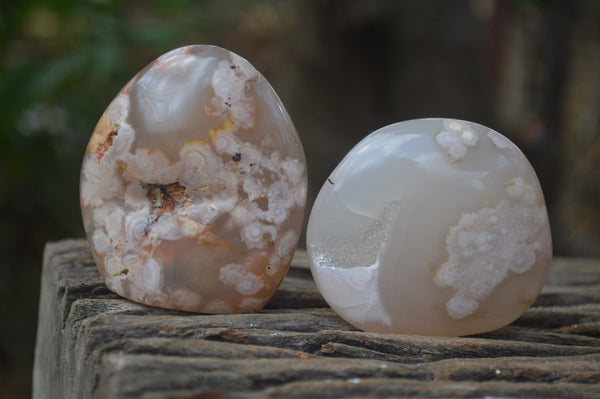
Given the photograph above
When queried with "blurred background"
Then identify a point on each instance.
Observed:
(529, 69)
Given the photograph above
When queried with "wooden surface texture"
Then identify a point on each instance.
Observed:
(92, 343)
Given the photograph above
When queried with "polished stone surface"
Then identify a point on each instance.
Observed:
(431, 226)
(193, 185)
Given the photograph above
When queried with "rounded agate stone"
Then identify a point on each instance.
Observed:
(193, 185)
(432, 227)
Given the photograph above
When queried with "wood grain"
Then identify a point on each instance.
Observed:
(93, 344)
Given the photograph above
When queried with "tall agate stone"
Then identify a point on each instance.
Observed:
(431, 227)
(193, 185)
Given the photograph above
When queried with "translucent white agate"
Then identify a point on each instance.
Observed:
(432, 227)
(193, 185)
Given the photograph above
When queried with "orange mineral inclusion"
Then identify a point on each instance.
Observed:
(193, 185)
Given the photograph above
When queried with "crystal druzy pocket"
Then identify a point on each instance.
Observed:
(193, 185)
(433, 227)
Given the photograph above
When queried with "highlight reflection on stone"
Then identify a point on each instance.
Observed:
(193, 185)
(432, 227)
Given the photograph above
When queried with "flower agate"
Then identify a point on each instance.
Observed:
(193, 185)
(431, 227)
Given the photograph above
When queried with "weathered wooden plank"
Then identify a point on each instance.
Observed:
(515, 333)
(120, 375)
(573, 272)
(565, 296)
(557, 317)
(92, 343)
(386, 388)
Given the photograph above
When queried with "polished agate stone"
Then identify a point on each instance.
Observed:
(432, 227)
(193, 185)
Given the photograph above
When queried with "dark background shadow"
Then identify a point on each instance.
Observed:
(526, 68)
